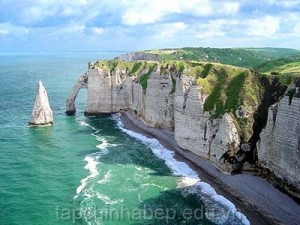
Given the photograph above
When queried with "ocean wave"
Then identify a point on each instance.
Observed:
(103, 146)
(190, 179)
(105, 178)
(87, 190)
(92, 159)
(107, 200)
(82, 123)
(92, 167)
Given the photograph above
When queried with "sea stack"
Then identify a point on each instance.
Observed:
(41, 114)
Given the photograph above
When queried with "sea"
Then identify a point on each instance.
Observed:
(88, 170)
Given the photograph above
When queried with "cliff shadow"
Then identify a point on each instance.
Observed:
(274, 90)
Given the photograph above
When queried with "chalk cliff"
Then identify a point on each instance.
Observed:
(41, 114)
(279, 147)
(214, 110)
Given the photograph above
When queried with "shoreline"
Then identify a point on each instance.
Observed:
(254, 196)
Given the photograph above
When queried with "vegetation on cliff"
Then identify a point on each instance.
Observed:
(143, 80)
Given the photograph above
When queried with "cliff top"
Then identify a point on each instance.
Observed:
(281, 62)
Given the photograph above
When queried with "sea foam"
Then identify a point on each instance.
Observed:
(92, 167)
(189, 178)
(92, 160)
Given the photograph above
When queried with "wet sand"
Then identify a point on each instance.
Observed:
(255, 197)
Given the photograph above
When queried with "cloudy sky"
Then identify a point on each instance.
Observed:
(110, 25)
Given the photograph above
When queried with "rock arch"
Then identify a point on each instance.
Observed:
(70, 103)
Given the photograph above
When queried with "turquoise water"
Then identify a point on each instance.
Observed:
(86, 170)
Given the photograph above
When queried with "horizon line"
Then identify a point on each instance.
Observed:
(127, 51)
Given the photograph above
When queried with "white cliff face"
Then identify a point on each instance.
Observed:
(279, 147)
(99, 95)
(227, 140)
(190, 118)
(136, 97)
(41, 113)
(197, 132)
(115, 91)
(109, 92)
(159, 102)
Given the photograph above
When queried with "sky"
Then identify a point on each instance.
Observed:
(129, 25)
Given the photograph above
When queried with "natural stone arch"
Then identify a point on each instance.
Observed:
(70, 103)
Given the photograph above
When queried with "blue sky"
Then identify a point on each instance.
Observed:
(110, 25)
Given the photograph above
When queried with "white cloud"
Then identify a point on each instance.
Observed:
(40, 10)
(36, 13)
(74, 29)
(10, 29)
(134, 18)
(70, 11)
(214, 28)
(265, 27)
(290, 24)
(210, 33)
(97, 30)
(170, 30)
(3, 32)
(229, 7)
(296, 30)
(152, 23)
(285, 3)
(146, 12)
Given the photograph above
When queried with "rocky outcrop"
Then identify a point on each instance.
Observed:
(225, 144)
(279, 147)
(131, 56)
(41, 114)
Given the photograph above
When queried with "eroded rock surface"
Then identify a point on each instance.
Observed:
(41, 114)
(279, 147)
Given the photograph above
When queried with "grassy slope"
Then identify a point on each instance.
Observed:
(290, 68)
(283, 62)
(269, 65)
(243, 57)
(285, 68)
(273, 52)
